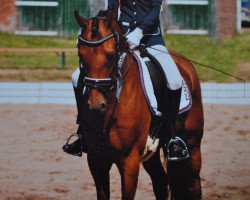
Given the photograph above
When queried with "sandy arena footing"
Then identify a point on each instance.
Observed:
(33, 166)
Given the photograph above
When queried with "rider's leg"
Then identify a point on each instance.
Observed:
(172, 73)
(79, 145)
(176, 149)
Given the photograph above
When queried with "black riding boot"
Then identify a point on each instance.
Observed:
(176, 148)
(78, 146)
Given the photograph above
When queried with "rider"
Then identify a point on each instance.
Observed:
(141, 25)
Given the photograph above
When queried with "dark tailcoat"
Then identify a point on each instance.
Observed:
(143, 14)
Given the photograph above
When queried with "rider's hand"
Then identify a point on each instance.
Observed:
(134, 38)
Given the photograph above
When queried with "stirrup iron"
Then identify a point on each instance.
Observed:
(181, 143)
(74, 149)
(72, 135)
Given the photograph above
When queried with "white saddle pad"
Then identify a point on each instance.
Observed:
(186, 100)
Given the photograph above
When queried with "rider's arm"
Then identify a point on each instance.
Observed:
(152, 17)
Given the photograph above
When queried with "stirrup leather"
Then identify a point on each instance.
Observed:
(178, 140)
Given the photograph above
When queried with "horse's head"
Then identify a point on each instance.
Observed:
(99, 46)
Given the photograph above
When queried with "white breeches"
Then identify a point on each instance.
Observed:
(172, 73)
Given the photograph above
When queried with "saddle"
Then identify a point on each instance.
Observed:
(160, 85)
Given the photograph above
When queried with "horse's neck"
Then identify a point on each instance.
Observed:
(131, 113)
(131, 92)
(132, 79)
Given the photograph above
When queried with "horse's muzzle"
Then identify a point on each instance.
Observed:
(97, 108)
(96, 101)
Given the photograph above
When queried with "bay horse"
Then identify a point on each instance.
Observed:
(116, 128)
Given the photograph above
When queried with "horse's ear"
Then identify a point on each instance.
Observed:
(80, 20)
(102, 13)
(111, 15)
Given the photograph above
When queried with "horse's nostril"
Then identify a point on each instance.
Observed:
(103, 105)
(88, 104)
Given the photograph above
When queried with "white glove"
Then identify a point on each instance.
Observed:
(134, 38)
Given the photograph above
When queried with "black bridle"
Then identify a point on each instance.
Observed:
(104, 85)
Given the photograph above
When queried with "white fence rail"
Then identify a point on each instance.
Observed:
(187, 2)
(62, 93)
(236, 93)
(37, 3)
(36, 93)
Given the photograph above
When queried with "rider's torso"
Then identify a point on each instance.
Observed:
(134, 13)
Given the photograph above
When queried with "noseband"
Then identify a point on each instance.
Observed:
(104, 85)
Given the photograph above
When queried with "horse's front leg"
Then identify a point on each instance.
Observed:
(129, 170)
(100, 172)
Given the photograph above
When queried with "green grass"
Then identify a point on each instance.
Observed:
(18, 41)
(224, 55)
(49, 61)
(227, 55)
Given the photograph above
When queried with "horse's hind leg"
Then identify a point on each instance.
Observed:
(100, 173)
(158, 176)
(184, 176)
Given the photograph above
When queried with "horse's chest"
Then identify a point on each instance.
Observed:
(121, 140)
